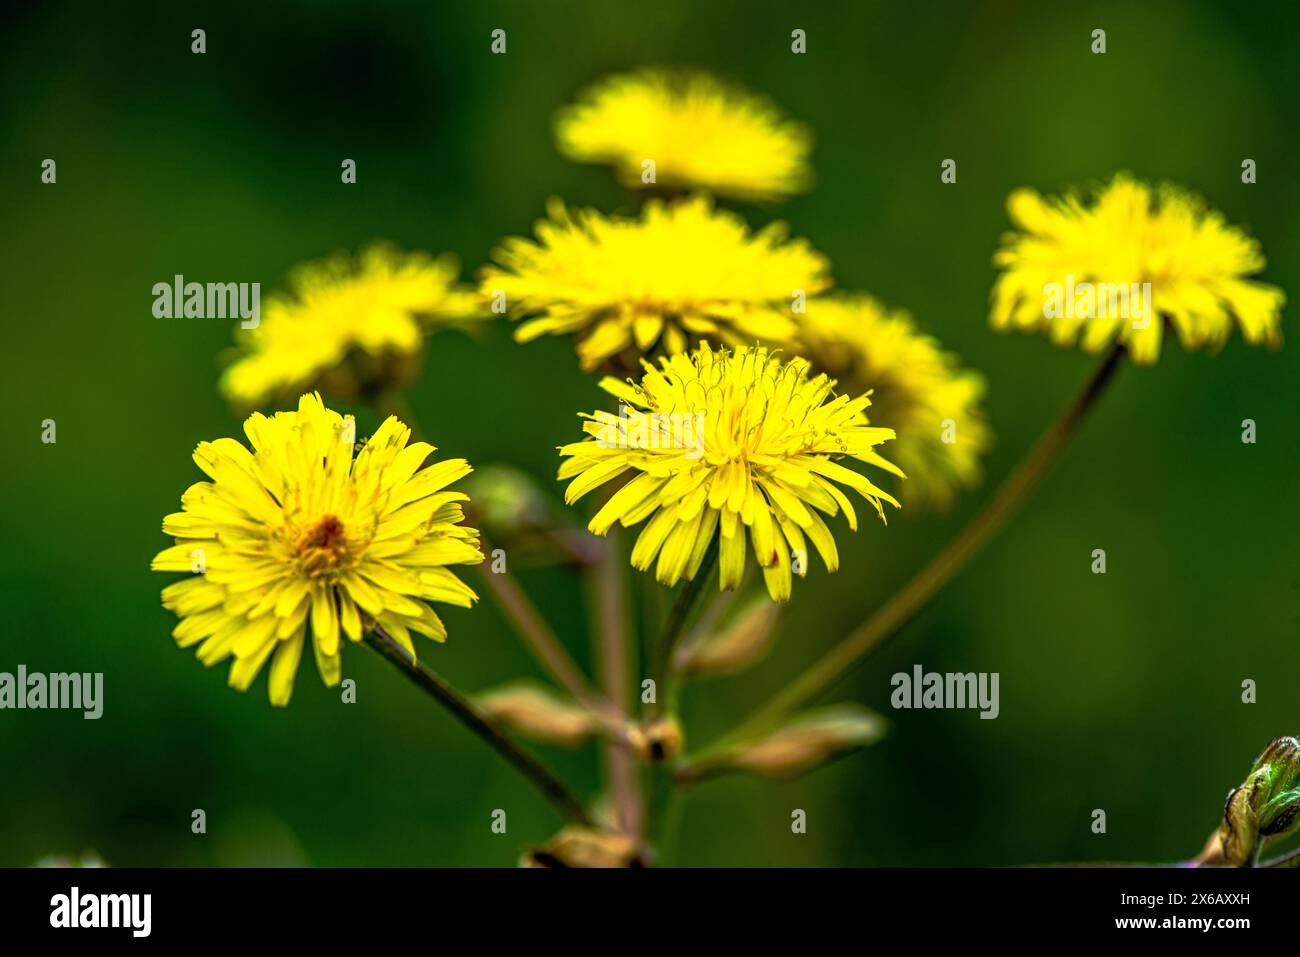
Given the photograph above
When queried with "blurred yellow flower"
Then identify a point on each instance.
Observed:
(680, 273)
(300, 532)
(350, 325)
(698, 132)
(917, 389)
(727, 442)
(1121, 264)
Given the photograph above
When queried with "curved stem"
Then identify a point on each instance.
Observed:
(550, 654)
(465, 711)
(675, 627)
(905, 604)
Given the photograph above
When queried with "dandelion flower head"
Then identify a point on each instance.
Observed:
(1127, 260)
(741, 445)
(301, 537)
(917, 389)
(349, 324)
(699, 132)
(679, 273)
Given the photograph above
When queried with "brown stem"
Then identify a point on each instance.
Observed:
(548, 651)
(607, 586)
(464, 710)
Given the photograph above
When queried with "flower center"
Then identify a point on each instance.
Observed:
(322, 547)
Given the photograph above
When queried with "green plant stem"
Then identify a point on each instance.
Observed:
(674, 628)
(663, 800)
(464, 711)
(607, 586)
(668, 800)
(905, 604)
(550, 654)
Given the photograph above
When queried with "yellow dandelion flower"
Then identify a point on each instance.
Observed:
(298, 532)
(1121, 265)
(699, 132)
(681, 272)
(917, 389)
(728, 442)
(350, 325)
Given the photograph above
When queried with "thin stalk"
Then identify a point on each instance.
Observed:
(664, 801)
(667, 799)
(608, 589)
(464, 711)
(548, 651)
(905, 604)
(674, 628)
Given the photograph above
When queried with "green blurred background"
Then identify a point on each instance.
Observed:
(1119, 692)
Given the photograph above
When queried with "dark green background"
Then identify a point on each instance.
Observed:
(1119, 692)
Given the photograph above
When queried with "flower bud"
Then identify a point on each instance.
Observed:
(741, 645)
(517, 515)
(663, 740)
(809, 740)
(1266, 807)
(507, 500)
(538, 712)
(585, 847)
(1282, 759)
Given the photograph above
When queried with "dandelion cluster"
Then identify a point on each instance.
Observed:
(752, 399)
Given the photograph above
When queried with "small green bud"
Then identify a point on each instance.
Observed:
(1266, 807)
(515, 513)
(507, 500)
(1276, 779)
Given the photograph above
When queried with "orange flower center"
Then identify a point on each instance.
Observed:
(322, 547)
